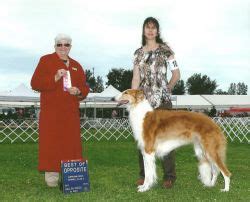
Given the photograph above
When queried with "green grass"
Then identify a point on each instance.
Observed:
(113, 170)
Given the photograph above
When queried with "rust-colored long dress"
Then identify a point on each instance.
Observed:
(59, 121)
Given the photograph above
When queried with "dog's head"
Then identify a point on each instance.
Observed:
(130, 97)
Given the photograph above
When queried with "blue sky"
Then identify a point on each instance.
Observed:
(209, 37)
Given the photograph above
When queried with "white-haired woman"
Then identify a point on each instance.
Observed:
(59, 121)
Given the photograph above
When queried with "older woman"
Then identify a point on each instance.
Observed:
(59, 122)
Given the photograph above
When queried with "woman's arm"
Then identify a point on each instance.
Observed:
(43, 78)
(174, 78)
(82, 85)
(136, 78)
(175, 72)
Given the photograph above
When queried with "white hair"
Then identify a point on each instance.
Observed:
(65, 37)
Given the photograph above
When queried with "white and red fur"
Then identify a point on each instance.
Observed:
(158, 132)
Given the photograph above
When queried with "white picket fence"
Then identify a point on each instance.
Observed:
(235, 129)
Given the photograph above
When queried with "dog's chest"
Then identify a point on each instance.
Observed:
(136, 118)
(136, 122)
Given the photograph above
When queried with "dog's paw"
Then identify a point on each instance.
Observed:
(208, 185)
(224, 190)
(143, 188)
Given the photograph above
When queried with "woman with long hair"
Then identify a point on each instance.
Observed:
(151, 62)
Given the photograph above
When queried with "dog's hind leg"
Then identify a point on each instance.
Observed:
(223, 169)
(198, 150)
(215, 173)
(216, 152)
(204, 166)
(205, 172)
(150, 171)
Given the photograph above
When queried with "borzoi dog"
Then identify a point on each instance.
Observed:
(158, 132)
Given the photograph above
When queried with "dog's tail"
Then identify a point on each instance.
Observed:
(216, 154)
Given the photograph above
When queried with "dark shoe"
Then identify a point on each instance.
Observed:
(140, 181)
(168, 183)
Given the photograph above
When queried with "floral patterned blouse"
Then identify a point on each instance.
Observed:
(153, 74)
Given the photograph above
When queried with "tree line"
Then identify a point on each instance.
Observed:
(196, 84)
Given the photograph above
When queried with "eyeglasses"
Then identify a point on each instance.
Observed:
(65, 45)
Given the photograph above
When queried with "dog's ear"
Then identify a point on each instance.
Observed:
(139, 95)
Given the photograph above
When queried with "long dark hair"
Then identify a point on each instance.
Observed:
(157, 25)
(158, 37)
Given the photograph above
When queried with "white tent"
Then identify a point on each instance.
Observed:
(227, 101)
(101, 100)
(22, 91)
(208, 101)
(104, 96)
(109, 92)
(190, 101)
(19, 94)
(24, 96)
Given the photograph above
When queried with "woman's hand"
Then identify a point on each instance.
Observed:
(74, 91)
(59, 74)
(169, 88)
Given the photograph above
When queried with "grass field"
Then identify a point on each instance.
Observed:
(113, 170)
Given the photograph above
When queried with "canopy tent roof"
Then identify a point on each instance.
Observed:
(190, 101)
(20, 91)
(105, 95)
(22, 96)
(228, 100)
(208, 101)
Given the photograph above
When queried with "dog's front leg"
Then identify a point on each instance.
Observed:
(150, 171)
